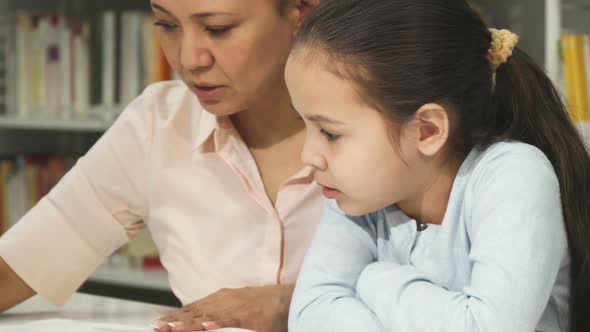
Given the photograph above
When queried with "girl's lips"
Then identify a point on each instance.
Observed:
(330, 193)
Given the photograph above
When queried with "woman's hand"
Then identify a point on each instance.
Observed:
(262, 309)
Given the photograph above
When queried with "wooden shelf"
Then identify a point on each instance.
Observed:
(43, 122)
(128, 276)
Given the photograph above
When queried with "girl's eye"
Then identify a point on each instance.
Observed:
(166, 26)
(218, 30)
(329, 136)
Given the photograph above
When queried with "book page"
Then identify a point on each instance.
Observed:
(62, 325)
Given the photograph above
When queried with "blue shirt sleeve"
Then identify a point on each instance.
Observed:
(515, 225)
(325, 297)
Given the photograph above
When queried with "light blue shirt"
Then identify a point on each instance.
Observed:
(498, 262)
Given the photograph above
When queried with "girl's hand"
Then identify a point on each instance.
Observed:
(262, 309)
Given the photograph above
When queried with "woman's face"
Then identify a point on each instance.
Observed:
(230, 53)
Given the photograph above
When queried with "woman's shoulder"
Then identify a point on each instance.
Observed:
(169, 98)
(164, 106)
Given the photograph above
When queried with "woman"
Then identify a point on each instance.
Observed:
(211, 166)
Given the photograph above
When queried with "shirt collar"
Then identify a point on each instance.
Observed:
(207, 124)
(210, 129)
(303, 176)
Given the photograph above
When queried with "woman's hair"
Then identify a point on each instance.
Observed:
(402, 54)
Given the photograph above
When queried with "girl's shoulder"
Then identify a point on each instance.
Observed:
(506, 159)
(506, 172)
(513, 151)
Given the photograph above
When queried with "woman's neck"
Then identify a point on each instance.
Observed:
(269, 122)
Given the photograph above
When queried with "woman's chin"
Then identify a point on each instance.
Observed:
(220, 107)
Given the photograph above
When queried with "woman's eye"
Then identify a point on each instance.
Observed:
(218, 30)
(166, 26)
(329, 136)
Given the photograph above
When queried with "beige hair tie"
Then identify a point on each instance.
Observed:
(503, 43)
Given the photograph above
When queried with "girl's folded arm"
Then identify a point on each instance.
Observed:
(325, 298)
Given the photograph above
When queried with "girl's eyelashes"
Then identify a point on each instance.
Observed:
(329, 136)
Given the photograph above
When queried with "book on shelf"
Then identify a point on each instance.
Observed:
(139, 253)
(24, 180)
(5, 47)
(65, 66)
(575, 54)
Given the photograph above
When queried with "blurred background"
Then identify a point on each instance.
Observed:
(68, 68)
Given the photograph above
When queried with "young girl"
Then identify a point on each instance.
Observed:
(459, 187)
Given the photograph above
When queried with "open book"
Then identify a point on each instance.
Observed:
(62, 325)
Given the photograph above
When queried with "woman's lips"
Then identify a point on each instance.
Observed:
(208, 91)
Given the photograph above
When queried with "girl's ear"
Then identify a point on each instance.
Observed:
(306, 6)
(301, 9)
(433, 122)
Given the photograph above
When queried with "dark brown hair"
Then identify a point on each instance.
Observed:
(413, 52)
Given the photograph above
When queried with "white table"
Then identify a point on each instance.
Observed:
(85, 308)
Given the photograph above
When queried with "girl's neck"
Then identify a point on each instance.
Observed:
(429, 205)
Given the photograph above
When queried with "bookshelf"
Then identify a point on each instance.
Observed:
(574, 21)
(85, 124)
(129, 283)
(69, 115)
(126, 275)
(74, 65)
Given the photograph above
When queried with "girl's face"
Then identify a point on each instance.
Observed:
(350, 144)
(230, 53)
